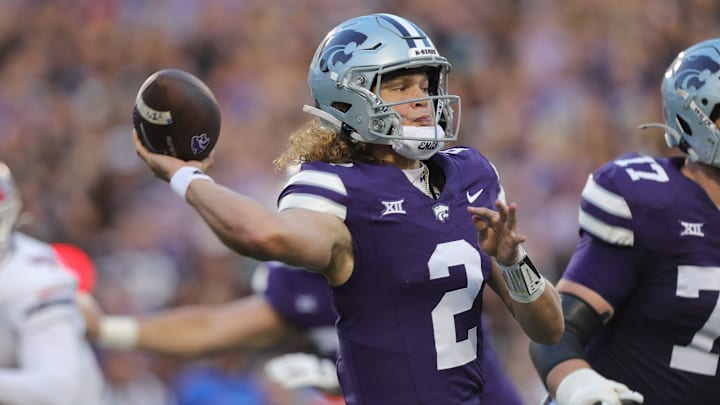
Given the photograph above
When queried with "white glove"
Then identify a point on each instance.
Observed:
(297, 370)
(586, 387)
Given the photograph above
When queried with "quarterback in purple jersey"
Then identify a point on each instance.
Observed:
(303, 299)
(406, 234)
(640, 294)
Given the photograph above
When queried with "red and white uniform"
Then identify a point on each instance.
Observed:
(44, 357)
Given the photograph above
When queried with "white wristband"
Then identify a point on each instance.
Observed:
(118, 332)
(524, 282)
(181, 179)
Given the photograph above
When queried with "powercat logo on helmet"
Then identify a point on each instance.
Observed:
(694, 71)
(340, 48)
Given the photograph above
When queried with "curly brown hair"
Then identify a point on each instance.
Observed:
(314, 142)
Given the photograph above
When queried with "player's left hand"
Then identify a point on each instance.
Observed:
(496, 231)
(164, 166)
(587, 387)
(298, 370)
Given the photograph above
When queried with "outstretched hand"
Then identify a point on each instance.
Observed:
(164, 166)
(496, 231)
(91, 312)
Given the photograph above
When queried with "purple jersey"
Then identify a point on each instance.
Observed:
(650, 246)
(303, 299)
(410, 314)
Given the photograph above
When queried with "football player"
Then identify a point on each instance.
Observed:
(287, 301)
(407, 234)
(44, 356)
(640, 294)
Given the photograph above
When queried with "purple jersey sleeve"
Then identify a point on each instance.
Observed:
(409, 316)
(303, 300)
(650, 246)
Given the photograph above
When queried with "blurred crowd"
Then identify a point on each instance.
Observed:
(550, 89)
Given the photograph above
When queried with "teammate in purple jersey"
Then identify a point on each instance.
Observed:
(406, 236)
(641, 293)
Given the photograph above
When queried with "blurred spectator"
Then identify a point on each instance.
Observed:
(550, 90)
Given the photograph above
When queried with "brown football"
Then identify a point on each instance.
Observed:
(176, 114)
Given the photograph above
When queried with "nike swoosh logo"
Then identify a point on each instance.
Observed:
(472, 197)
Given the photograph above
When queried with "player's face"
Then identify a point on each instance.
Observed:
(406, 87)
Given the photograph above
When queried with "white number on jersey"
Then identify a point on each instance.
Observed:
(450, 352)
(655, 172)
(696, 357)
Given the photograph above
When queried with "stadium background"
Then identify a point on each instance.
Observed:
(550, 90)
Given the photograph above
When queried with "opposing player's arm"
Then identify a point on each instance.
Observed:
(247, 323)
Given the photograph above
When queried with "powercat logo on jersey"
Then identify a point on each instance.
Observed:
(340, 48)
(441, 211)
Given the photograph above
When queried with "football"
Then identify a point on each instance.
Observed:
(176, 114)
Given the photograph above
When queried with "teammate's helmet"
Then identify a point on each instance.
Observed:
(10, 206)
(691, 100)
(348, 66)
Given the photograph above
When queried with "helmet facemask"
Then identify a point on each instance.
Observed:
(350, 65)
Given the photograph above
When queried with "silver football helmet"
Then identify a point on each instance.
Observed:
(10, 206)
(347, 69)
(691, 101)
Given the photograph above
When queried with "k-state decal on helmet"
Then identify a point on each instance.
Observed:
(340, 49)
(694, 71)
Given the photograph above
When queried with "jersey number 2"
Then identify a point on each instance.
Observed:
(451, 352)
